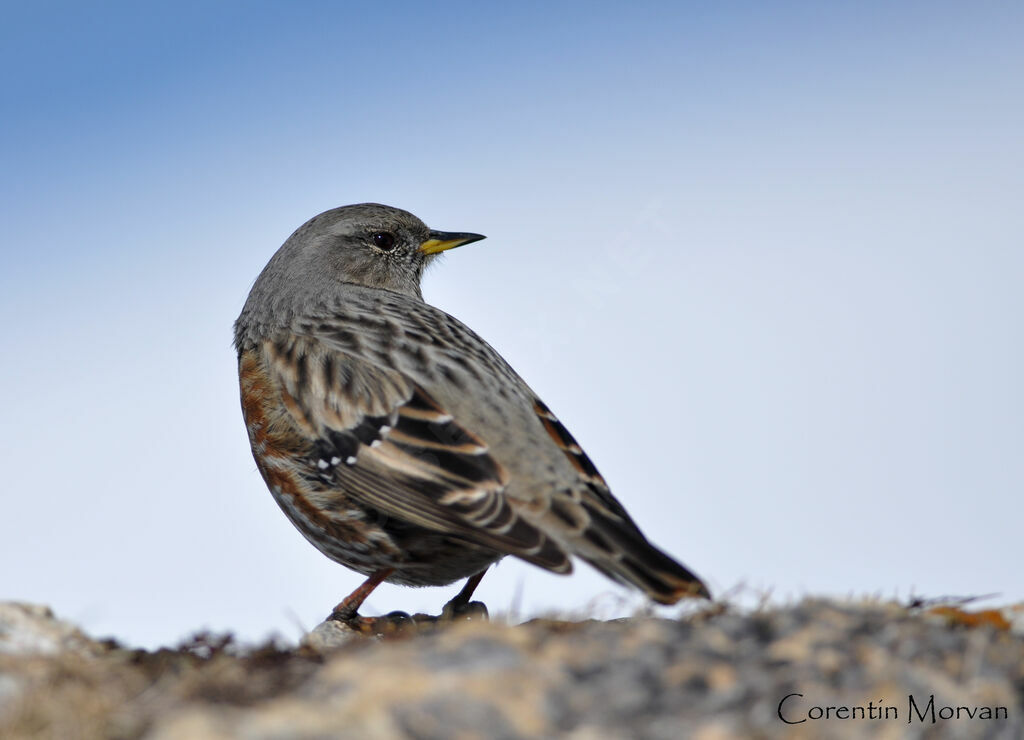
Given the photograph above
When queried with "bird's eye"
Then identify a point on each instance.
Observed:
(384, 240)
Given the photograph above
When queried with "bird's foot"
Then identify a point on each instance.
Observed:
(453, 611)
(389, 624)
(457, 610)
(398, 622)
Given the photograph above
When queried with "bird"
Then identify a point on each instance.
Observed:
(399, 442)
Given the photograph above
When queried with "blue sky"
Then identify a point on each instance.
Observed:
(763, 259)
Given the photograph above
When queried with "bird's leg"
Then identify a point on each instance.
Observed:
(347, 611)
(461, 606)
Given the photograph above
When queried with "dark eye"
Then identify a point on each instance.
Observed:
(384, 240)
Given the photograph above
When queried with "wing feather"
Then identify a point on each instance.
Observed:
(383, 439)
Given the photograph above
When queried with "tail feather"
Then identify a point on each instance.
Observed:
(629, 558)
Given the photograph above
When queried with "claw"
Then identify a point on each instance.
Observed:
(389, 624)
(459, 608)
(473, 611)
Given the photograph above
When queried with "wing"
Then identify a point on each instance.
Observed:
(383, 439)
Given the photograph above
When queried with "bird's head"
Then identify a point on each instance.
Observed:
(368, 244)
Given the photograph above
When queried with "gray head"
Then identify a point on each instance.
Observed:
(368, 244)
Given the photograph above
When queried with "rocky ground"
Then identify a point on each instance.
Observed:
(837, 669)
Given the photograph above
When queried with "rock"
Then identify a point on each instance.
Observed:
(30, 629)
(716, 674)
(330, 635)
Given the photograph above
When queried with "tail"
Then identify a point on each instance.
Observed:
(627, 557)
(656, 574)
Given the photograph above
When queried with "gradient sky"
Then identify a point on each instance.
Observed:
(765, 260)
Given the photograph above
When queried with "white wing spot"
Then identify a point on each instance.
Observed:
(335, 460)
(384, 430)
(323, 464)
(375, 443)
(350, 460)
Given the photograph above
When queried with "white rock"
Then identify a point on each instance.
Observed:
(27, 629)
(329, 635)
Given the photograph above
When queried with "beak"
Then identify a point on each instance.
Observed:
(439, 241)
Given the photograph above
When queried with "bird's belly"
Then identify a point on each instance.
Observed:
(368, 542)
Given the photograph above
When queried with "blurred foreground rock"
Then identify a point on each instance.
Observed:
(717, 674)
